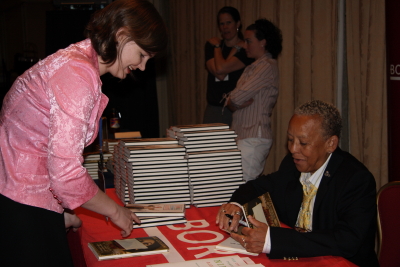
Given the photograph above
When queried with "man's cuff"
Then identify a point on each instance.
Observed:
(267, 244)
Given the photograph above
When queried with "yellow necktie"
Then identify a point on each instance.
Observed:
(304, 219)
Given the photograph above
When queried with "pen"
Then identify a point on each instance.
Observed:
(240, 221)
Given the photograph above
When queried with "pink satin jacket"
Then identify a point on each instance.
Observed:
(49, 115)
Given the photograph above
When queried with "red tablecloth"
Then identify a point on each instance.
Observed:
(194, 240)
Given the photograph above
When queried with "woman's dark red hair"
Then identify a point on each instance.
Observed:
(140, 22)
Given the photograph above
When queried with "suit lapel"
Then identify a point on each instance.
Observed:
(329, 173)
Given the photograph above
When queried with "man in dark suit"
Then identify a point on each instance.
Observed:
(324, 194)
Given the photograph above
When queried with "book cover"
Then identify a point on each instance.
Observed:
(199, 127)
(213, 159)
(148, 187)
(160, 193)
(166, 169)
(183, 200)
(213, 153)
(158, 162)
(196, 175)
(156, 173)
(160, 181)
(214, 169)
(156, 166)
(161, 177)
(214, 162)
(237, 181)
(156, 155)
(197, 133)
(149, 141)
(154, 149)
(144, 219)
(206, 137)
(151, 158)
(207, 142)
(262, 209)
(120, 135)
(214, 166)
(163, 209)
(200, 149)
(233, 246)
(131, 247)
(160, 223)
(229, 176)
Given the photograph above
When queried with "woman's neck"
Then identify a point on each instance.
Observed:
(232, 41)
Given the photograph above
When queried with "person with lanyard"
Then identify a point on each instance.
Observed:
(325, 195)
(49, 115)
(255, 96)
(225, 62)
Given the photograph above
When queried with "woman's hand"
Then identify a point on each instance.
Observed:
(224, 222)
(233, 108)
(120, 216)
(71, 220)
(124, 219)
(214, 41)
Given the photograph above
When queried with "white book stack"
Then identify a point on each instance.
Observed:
(91, 162)
(156, 214)
(148, 141)
(214, 162)
(155, 173)
(111, 144)
(120, 181)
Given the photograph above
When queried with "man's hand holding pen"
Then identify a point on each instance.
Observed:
(252, 239)
(229, 218)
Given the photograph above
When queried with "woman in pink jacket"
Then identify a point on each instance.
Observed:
(49, 115)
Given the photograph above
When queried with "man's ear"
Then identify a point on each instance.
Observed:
(332, 143)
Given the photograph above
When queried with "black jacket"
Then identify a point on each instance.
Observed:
(344, 215)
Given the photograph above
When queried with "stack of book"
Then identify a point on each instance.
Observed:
(120, 174)
(158, 214)
(214, 162)
(154, 170)
(111, 144)
(91, 162)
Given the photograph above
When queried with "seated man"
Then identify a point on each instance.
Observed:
(336, 214)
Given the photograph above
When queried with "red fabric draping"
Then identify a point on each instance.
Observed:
(193, 240)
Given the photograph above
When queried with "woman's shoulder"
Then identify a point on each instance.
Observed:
(79, 54)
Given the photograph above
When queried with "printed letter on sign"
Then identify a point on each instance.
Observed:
(190, 224)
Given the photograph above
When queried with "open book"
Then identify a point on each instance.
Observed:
(131, 247)
(262, 209)
(233, 246)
